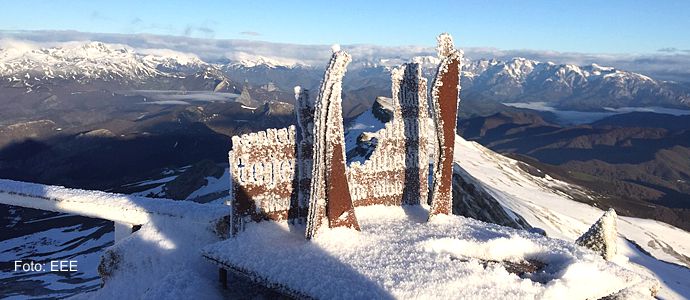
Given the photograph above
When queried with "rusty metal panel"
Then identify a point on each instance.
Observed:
(262, 167)
(445, 98)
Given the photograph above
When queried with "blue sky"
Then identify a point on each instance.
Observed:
(578, 26)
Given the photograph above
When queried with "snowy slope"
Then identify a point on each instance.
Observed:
(545, 203)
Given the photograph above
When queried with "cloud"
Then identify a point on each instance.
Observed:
(662, 65)
(136, 21)
(190, 30)
(250, 33)
(98, 16)
(668, 50)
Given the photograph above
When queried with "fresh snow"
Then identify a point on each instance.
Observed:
(398, 254)
(167, 254)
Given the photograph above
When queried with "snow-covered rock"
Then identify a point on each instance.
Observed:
(602, 236)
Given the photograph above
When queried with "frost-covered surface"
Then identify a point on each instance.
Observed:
(329, 136)
(381, 178)
(115, 207)
(263, 167)
(602, 236)
(389, 161)
(400, 255)
(441, 190)
(545, 203)
(305, 148)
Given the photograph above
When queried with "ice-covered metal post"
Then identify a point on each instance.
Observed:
(411, 91)
(445, 98)
(330, 199)
(305, 152)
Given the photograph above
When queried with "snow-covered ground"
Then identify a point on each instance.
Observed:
(544, 204)
(163, 259)
(398, 254)
(165, 252)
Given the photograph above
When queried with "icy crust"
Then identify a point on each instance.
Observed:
(114, 207)
(305, 155)
(400, 255)
(445, 46)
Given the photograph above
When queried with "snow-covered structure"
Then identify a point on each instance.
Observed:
(396, 172)
(291, 175)
(445, 96)
(414, 107)
(330, 199)
(305, 148)
(262, 165)
(381, 178)
(602, 236)
(400, 254)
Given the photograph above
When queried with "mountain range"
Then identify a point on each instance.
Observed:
(637, 161)
(563, 86)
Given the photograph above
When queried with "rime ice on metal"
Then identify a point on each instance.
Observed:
(445, 46)
(330, 199)
(277, 178)
(602, 236)
(305, 161)
(262, 167)
(413, 102)
(396, 171)
(444, 101)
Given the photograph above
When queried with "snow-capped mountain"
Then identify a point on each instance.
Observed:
(95, 61)
(564, 86)
(567, 86)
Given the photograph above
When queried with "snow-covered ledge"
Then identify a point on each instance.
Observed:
(126, 211)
